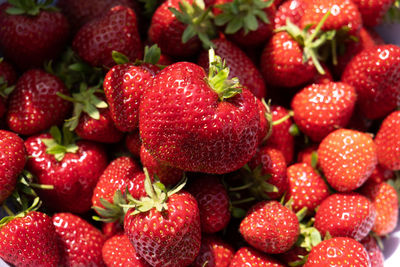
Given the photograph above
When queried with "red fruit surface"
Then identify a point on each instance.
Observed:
(111, 229)
(33, 104)
(215, 252)
(372, 12)
(247, 256)
(306, 155)
(374, 252)
(293, 255)
(347, 158)
(79, 242)
(8, 73)
(292, 10)
(381, 174)
(133, 143)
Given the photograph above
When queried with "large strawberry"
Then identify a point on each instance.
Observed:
(12, 162)
(31, 32)
(199, 123)
(79, 242)
(116, 30)
(215, 252)
(377, 85)
(34, 105)
(247, 256)
(387, 142)
(372, 12)
(347, 158)
(73, 169)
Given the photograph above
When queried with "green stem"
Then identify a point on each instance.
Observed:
(42, 186)
(240, 188)
(284, 118)
(243, 201)
(7, 210)
(319, 26)
(68, 98)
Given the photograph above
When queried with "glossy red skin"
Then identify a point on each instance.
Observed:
(118, 251)
(273, 163)
(292, 10)
(33, 104)
(28, 41)
(8, 73)
(213, 201)
(111, 229)
(281, 138)
(305, 155)
(372, 12)
(12, 162)
(133, 143)
(166, 31)
(169, 239)
(347, 158)
(167, 175)
(79, 242)
(282, 62)
(120, 174)
(381, 174)
(102, 130)
(73, 178)
(240, 66)
(374, 252)
(351, 215)
(387, 142)
(320, 109)
(30, 241)
(116, 30)
(264, 123)
(270, 227)
(124, 86)
(338, 251)
(375, 74)
(214, 251)
(183, 123)
(247, 256)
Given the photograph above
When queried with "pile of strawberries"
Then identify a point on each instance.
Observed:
(197, 133)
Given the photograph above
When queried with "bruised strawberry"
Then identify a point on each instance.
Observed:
(247, 256)
(214, 252)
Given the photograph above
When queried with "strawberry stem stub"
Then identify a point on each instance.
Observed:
(60, 144)
(29, 7)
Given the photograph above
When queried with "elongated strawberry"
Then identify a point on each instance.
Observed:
(247, 256)
(372, 12)
(79, 242)
(34, 105)
(347, 158)
(214, 251)
(374, 252)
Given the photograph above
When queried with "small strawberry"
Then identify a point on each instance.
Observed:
(351, 215)
(338, 251)
(31, 32)
(374, 252)
(270, 227)
(381, 174)
(110, 229)
(79, 242)
(347, 158)
(387, 142)
(214, 252)
(309, 155)
(133, 143)
(372, 12)
(292, 10)
(34, 105)
(321, 108)
(247, 256)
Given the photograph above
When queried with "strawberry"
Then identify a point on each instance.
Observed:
(79, 242)
(214, 251)
(321, 108)
(12, 162)
(384, 197)
(374, 252)
(351, 215)
(338, 251)
(372, 12)
(270, 227)
(7, 79)
(73, 169)
(118, 251)
(247, 256)
(110, 229)
(218, 134)
(381, 174)
(347, 158)
(29, 239)
(133, 143)
(116, 30)
(306, 187)
(387, 142)
(239, 64)
(164, 227)
(376, 85)
(213, 203)
(309, 155)
(294, 255)
(292, 10)
(32, 32)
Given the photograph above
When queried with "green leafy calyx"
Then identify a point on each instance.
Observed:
(29, 7)
(60, 144)
(111, 212)
(35, 206)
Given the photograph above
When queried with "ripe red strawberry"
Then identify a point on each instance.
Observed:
(124, 86)
(73, 169)
(214, 251)
(281, 138)
(292, 10)
(381, 174)
(31, 34)
(384, 197)
(12, 162)
(306, 187)
(293, 255)
(387, 142)
(240, 66)
(374, 252)
(110, 229)
(218, 134)
(133, 143)
(34, 105)
(79, 242)
(116, 30)
(270, 227)
(247, 256)
(372, 12)
(347, 158)
(29, 240)
(309, 155)
(321, 108)
(338, 251)
(351, 215)
(376, 84)
(118, 251)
